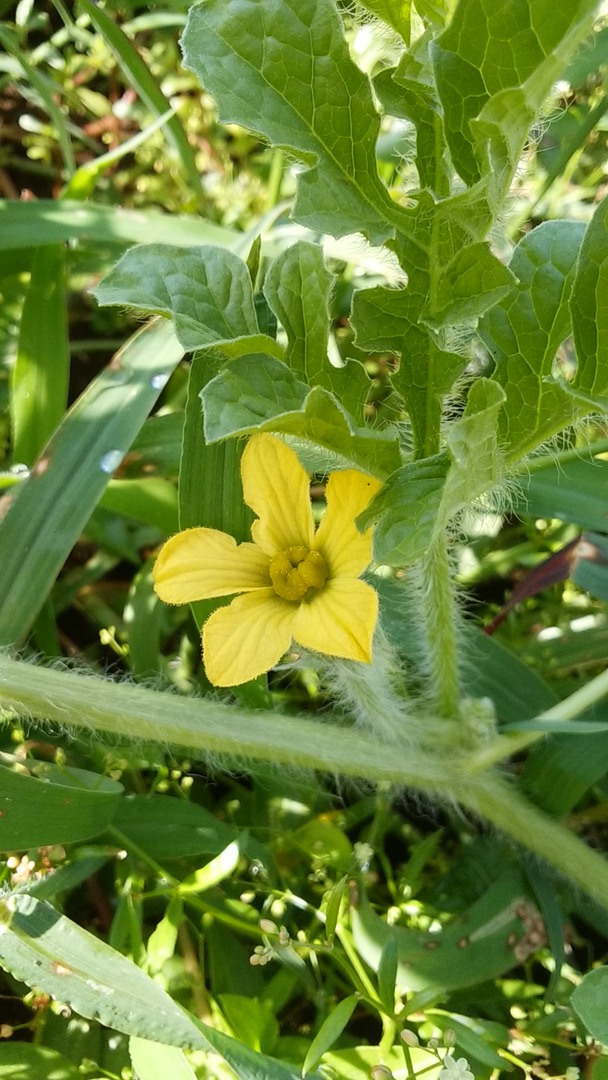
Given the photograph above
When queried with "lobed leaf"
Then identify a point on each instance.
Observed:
(473, 281)
(396, 13)
(298, 286)
(386, 320)
(405, 511)
(284, 70)
(589, 308)
(207, 291)
(524, 332)
(259, 393)
(494, 67)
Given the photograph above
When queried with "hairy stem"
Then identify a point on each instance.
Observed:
(439, 611)
(492, 798)
(210, 727)
(216, 728)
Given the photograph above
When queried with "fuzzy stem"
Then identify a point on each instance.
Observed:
(211, 727)
(372, 693)
(98, 705)
(439, 609)
(492, 798)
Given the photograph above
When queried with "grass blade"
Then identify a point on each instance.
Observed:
(47, 221)
(144, 83)
(45, 515)
(41, 372)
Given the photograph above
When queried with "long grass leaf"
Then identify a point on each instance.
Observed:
(49, 221)
(45, 515)
(41, 371)
(41, 87)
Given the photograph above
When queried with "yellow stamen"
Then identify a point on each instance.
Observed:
(296, 570)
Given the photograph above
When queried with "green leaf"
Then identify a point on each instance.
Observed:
(71, 874)
(144, 615)
(434, 12)
(386, 320)
(409, 91)
(560, 727)
(214, 872)
(387, 975)
(258, 393)
(41, 370)
(396, 13)
(471, 283)
(171, 828)
(298, 286)
(473, 947)
(588, 1000)
(285, 71)
(46, 513)
(152, 500)
(591, 565)
(329, 1032)
(253, 1021)
(524, 331)
(588, 306)
(494, 68)
(55, 806)
(333, 904)
(154, 1061)
(206, 290)
(50, 952)
(420, 499)
(474, 448)
(574, 490)
(405, 511)
(22, 1061)
(557, 778)
(53, 221)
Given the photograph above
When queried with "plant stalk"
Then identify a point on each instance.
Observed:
(439, 610)
(216, 728)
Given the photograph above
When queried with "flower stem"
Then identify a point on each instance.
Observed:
(439, 609)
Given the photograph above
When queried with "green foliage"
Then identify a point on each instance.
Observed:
(461, 361)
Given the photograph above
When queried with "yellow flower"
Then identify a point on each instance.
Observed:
(296, 584)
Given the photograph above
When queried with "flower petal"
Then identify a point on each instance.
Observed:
(346, 552)
(247, 638)
(276, 487)
(198, 564)
(340, 620)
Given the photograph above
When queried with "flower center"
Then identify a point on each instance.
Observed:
(296, 570)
